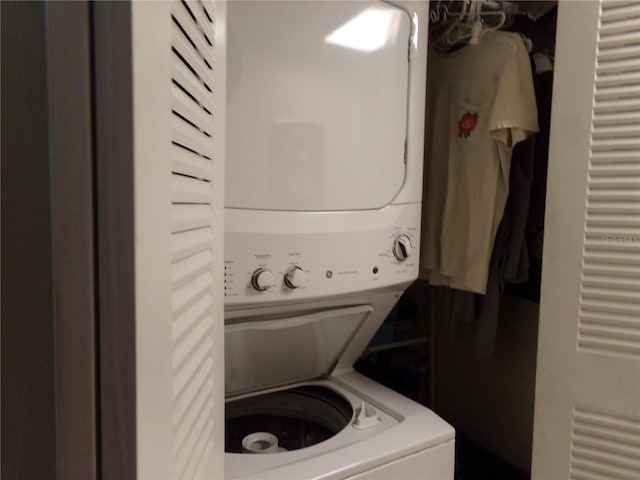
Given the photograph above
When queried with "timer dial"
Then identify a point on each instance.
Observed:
(294, 277)
(262, 280)
(402, 247)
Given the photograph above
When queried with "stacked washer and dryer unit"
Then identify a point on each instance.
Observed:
(325, 120)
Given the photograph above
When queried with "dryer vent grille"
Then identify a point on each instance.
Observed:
(192, 177)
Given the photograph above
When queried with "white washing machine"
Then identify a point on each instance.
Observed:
(325, 120)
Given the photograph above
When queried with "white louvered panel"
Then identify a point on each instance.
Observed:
(624, 10)
(186, 297)
(183, 402)
(192, 33)
(624, 334)
(626, 127)
(185, 189)
(187, 348)
(184, 106)
(196, 313)
(609, 322)
(625, 91)
(629, 197)
(603, 158)
(607, 318)
(186, 389)
(614, 41)
(622, 180)
(616, 102)
(195, 416)
(199, 358)
(618, 57)
(190, 163)
(192, 454)
(604, 447)
(183, 79)
(192, 187)
(600, 250)
(611, 142)
(187, 136)
(201, 13)
(594, 305)
(190, 242)
(613, 170)
(587, 424)
(189, 268)
(621, 279)
(206, 450)
(619, 79)
(607, 100)
(191, 413)
(594, 270)
(618, 227)
(609, 5)
(188, 217)
(623, 24)
(613, 216)
(627, 64)
(191, 167)
(190, 58)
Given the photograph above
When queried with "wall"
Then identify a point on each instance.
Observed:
(28, 387)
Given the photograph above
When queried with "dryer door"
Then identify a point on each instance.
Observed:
(316, 104)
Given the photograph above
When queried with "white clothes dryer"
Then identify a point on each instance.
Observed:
(325, 121)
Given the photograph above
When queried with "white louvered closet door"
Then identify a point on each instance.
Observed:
(179, 111)
(587, 411)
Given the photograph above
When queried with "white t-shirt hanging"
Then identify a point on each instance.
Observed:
(480, 103)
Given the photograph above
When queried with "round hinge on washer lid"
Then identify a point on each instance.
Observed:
(262, 280)
(294, 277)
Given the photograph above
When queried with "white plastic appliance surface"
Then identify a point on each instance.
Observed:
(290, 256)
(410, 442)
(316, 104)
(265, 353)
(338, 252)
(285, 343)
(301, 339)
(349, 244)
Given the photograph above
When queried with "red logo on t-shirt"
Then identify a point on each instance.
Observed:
(467, 123)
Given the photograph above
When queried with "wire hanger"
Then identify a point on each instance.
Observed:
(466, 25)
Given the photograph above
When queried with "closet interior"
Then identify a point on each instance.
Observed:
(464, 342)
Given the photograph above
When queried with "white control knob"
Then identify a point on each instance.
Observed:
(402, 248)
(294, 278)
(262, 279)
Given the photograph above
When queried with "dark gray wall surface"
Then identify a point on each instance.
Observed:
(28, 366)
(72, 212)
(115, 200)
(48, 308)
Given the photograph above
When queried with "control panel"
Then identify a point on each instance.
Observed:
(308, 255)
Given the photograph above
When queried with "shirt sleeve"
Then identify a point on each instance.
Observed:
(514, 115)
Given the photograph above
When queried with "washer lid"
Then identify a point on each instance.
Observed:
(267, 353)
